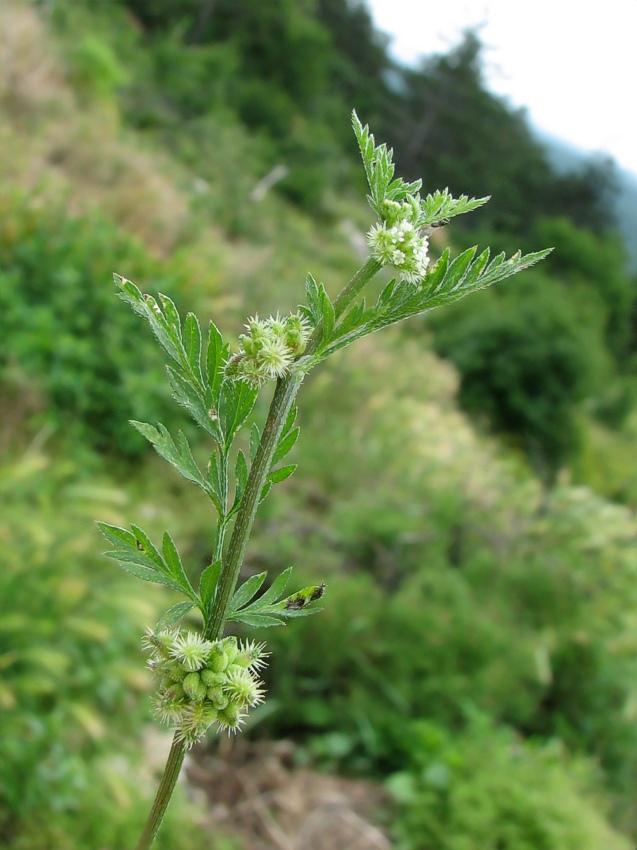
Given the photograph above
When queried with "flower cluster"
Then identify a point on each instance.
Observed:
(269, 348)
(204, 682)
(397, 240)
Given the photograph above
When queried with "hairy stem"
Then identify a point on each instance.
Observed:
(164, 793)
(356, 284)
(282, 401)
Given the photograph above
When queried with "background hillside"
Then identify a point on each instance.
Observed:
(475, 522)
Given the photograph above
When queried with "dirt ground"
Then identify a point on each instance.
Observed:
(254, 792)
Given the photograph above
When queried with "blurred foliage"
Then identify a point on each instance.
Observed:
(62, 331)
(73, 693)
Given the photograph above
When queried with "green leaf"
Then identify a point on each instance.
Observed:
(241, 476)
(116, 535)
(246, 592)
(328, 316)
(174, 615)
(237, 401)
(265, 490)
(189, 397)
(146, 544)
(146, 306)
(179, 456)
(208, 586)
(192, 347)
(257, 620)
(285, 445)
(278, 475)
(173, 562)
(131, 564)
(216, 356)
(276, 589)
(313, 300)
(255, 439)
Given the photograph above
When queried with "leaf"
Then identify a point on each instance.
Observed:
(208, 586)
(116, 535)
(216, 356)
(241, 475)
(146, 306)
(276, 589)
(265, 490)
(192, 347)
(328, 316)
(246, 592)
(189, 397)
(257, 620)
(174, 615)
(179, 456)
(144, 541)
(137, 555)
(278, 475)
(255, 439)
(236, 403)
(173, 562)
(313, 300)
(285, 445)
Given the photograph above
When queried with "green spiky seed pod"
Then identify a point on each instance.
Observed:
(230, 718)
(230, 647)
(212, 679)
(194, 687)
(218, 659)
(218, 697)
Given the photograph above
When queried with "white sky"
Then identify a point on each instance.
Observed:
(573, 63)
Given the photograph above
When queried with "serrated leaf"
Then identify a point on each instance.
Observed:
(258, 621)
(128, 562)
(236, 403)
(178, 456)
(278, 475)
(265, 490)
(313, 300)
(116, 535)
(328, 316)
(146, 306)
(208, 586)
(174, 615)
(216, 355)
(189, 397)
(173, 562)
(255, 439)
(285, 446)
(276, 589)
(192, 347)
(241, 476)
(246, 592)
(148, 547)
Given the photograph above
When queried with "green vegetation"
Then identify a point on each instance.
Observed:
(475, 524)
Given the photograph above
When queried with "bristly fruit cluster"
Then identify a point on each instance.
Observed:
(269, 348)
(203, 682)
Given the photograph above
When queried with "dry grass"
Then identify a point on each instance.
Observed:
(51, 146)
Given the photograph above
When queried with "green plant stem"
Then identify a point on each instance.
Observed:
(356, 284)
(282, 401)
(164, 793)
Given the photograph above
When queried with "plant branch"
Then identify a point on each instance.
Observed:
(356, 284)
(164, 793)
(282, 401)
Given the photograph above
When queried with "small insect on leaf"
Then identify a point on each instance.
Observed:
(304, 597)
